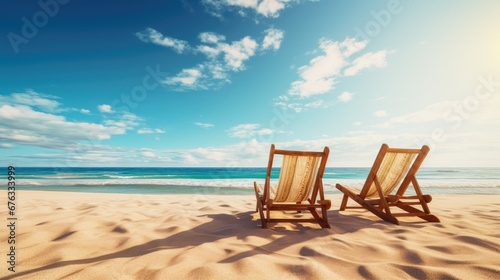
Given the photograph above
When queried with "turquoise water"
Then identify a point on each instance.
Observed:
(232, 180)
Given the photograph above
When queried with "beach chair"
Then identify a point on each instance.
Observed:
(299, 184)
(393, 168)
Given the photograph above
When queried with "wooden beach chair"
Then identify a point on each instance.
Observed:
(299, 184)
(393, 168)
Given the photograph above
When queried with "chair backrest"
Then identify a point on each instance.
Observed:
(300, 175)
(393, 168)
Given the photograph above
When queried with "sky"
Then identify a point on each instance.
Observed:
(215, 82)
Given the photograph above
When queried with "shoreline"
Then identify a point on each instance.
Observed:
(138, 189)
(151, 236)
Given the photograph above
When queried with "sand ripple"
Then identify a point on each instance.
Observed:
(87, 236)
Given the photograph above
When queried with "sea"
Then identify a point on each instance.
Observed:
(231, 181)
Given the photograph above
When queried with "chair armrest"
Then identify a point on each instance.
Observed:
(326, 202)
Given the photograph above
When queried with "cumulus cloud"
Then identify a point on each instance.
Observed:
(222, 58)
(31, 98)
(315, 104)
(350, 46)
(327, 68)
(431, 113)
(148, 153)
(204, 125)
(319, 75)
(211, 37)
(273, 39)
(105, 108)
(23, 124)
(248, 130)
(271, 8)
(380, 114)
(6, 146)
(238, 52)
(265, 8)
(368, 60)
(40, 101)
(187, 78)
(150, 131)
(345, 97)
(324, 71)
(150, 35)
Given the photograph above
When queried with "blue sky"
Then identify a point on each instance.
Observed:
(215, 82)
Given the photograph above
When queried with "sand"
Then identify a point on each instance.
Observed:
(122, 236)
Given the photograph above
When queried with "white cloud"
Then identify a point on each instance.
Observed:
(248, 130)
(222, 59)
(273, 39)
(430, 113)
(350, 46)
(323, 71)
(44, 102)
(204, 125)
(217, 72)
(187, 78)
(150, 131)
(297, 106)
(124, 120)
(266, 8)
(319, 76)
(345, 97)
(148, 153)
(115, 123)
(211, 37)
(209, 51)
(380, 114)
(150, 35)
(40, 101)
(366, 61)
(355, 148)
(271, 8)
(315, 104)
(238, 52)
(26, 125)
(242, 3)
(245, 153)
(22, 125)
(105, 108)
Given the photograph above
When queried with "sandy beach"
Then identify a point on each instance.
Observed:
(121, 236)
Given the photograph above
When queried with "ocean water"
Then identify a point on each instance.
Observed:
(225, 181)
(232, 180)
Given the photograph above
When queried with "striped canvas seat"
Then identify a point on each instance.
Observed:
(391, 172)
(297, 178)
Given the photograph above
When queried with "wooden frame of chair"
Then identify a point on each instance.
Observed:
(379, 202)
(267, 203)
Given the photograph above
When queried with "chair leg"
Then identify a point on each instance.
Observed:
(422, 215)
(379, 213)
(344, 202)
(263, 221)
(322, 221)
(325, 215)
(260, 207)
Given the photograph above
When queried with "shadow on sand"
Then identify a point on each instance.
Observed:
(241, 226)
